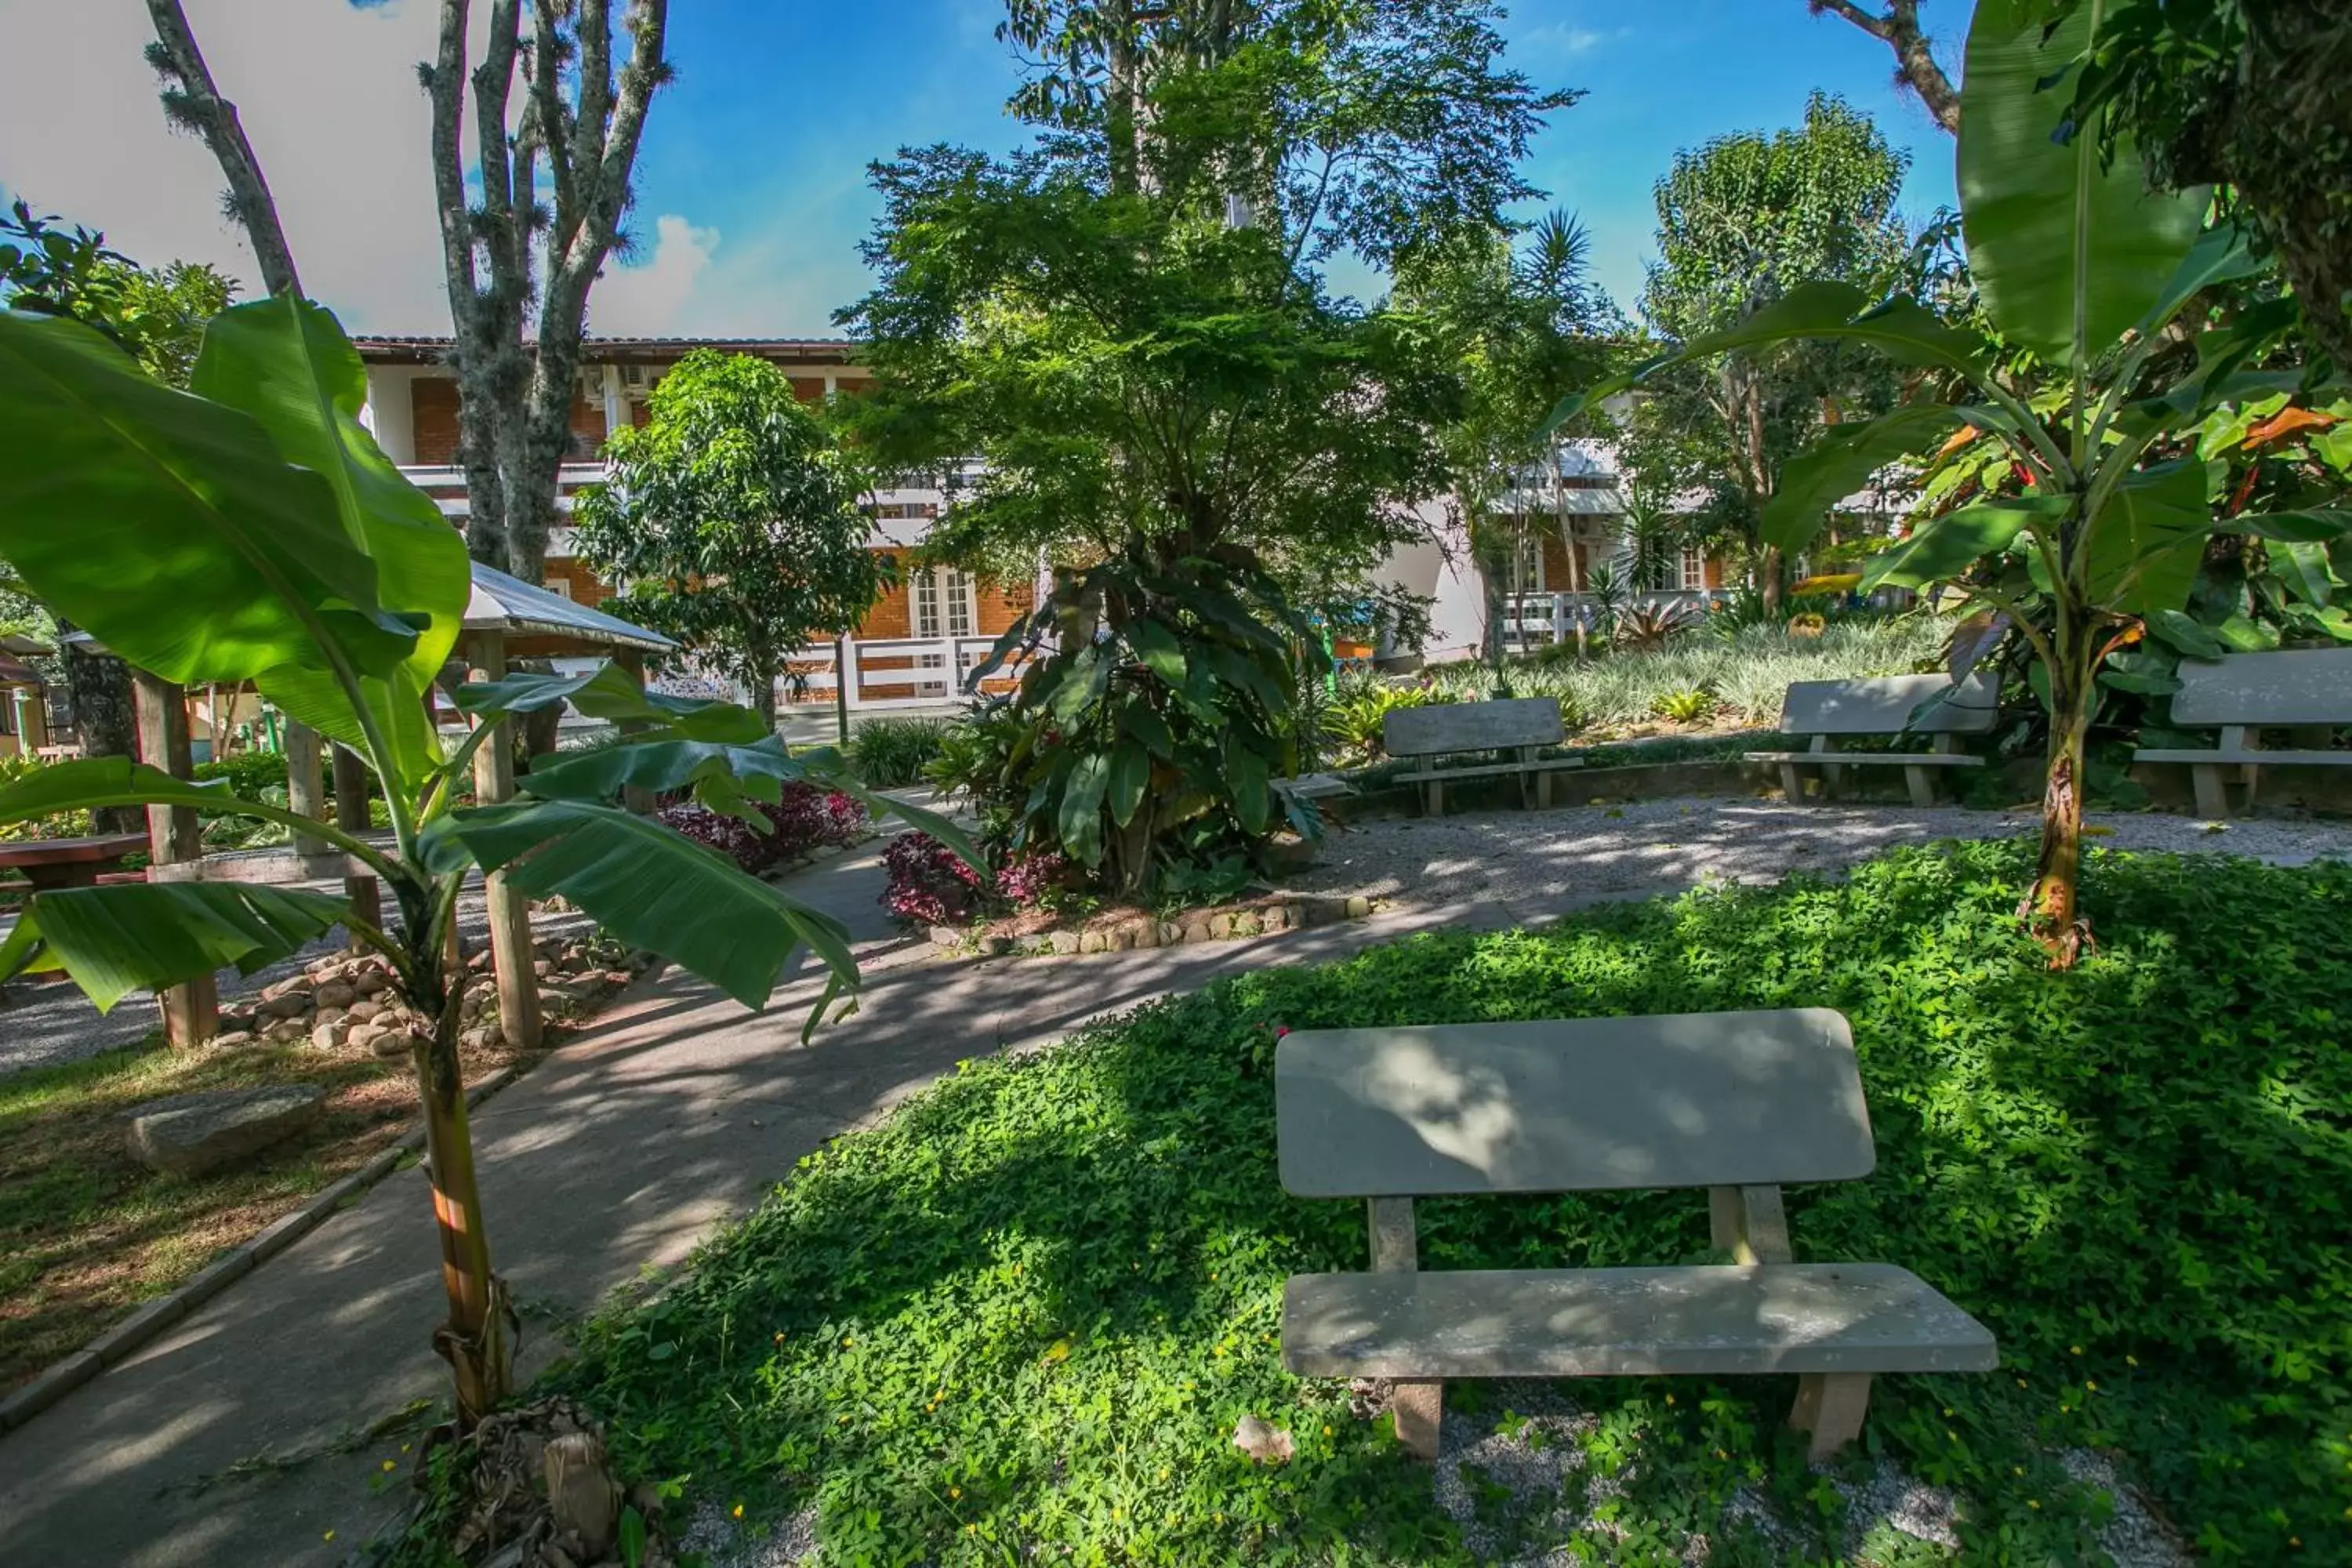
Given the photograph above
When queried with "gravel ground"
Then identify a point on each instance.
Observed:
(51, 1022)
(1532, 862)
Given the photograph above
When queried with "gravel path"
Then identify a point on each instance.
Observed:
(50, 1022)
(1531, 862)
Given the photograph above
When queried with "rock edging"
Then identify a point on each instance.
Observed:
(1232, 922)
(62, 1377)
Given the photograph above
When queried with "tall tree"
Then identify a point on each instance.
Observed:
(1896, 24)
(1742, 220)
(157, 316)
(733, 519)
(582, 111)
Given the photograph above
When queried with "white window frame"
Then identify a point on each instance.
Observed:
(944, 602)
(1692, 569)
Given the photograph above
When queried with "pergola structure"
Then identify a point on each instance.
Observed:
(505, 619)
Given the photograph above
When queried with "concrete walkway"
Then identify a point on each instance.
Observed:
(613, 1155)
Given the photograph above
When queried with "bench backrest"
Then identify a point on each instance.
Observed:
(1437, 729)
(2293, 686)
(1891, 705)
(1689, 1100)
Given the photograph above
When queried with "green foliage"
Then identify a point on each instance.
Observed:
(72, 823)
(1688, 705)
(247, 772)
(1357, 719)
(733, 518)
(890, 753)
(1750, 671)
(2132, 1172)
(156, 317)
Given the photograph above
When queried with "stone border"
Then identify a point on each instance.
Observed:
(1230, 923)
(62, 1377)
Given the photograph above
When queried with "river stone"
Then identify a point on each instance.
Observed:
(192, 1134)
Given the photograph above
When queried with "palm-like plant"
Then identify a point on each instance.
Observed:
(251, 529)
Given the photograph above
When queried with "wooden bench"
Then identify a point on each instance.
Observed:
(1891, 705)
(1515, 724)
(1734, 1103)
(2307, 690)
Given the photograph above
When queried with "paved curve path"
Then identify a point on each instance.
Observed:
(619, 1152)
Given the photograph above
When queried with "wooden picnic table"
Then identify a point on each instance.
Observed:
(52, 863)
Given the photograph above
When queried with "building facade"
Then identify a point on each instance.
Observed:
(914, 648)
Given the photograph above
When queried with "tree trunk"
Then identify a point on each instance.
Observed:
(764, 674)
(2050, 908)
(1769, 572)
(1567, 543)
(474, 1341)
(99, 685)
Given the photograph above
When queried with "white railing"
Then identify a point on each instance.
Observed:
(1532, 620)
(895, 672)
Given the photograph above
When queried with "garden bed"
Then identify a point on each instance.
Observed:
(1023, 1318)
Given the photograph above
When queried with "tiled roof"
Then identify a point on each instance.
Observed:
(412, 349)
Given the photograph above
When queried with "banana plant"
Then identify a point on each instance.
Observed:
(2091, 527)
(251, 529)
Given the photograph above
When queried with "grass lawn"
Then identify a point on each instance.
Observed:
(87, 1233)
(1022, 1318)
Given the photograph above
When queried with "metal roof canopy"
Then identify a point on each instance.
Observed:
(533, 617)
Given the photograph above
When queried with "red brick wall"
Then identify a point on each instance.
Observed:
(433, 413)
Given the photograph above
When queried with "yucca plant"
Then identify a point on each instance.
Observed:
(251, 529)
(1648, 628)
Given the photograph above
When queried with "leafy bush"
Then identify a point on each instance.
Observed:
(1691, 705)
(890, 753)
(1650, 628)
(249, 773)
(63, 825)
(1356, 721)
(1026, 1313)
(806, 819)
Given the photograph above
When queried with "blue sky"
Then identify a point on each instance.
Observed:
(752, 193)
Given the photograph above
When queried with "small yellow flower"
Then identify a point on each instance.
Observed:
(1670, 1399)
(329, 1535)
(2073, 1350)
(2091, 1386)
(972, 1530)
(955, 1491)
(1721, 1455)
(1947, 1410)
(847, 1343)
(2021, 1382)
(2033, 1502)
(391, 1465)
(737, 1511)
(2131, 1361)
(780, 1339)
(2017, 1469)
(1327, 1432)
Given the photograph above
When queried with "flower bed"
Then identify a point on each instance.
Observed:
(805, 820)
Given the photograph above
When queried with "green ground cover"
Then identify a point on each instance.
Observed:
(1020, 1319)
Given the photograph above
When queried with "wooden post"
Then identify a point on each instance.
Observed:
(306, 789)
(635, 798)
(1417, 1403)
(365, 893)
(191, 1009)
(511, 951)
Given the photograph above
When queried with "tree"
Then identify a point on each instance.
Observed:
(1167, 403)
(584, 111)
(2252, 97)
(1897, 26)
(1740, 222)
(303, 562)
(734, 519)
(157, 317)
(2083, 539)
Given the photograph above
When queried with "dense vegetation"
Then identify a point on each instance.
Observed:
(1024, 1316)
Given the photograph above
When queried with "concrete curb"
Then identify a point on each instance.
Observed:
(117, 1342)
(1277, 916)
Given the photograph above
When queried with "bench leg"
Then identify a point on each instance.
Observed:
(1418, 1407)
(1543, 790)
(1792, 783)
(2213, 794)
(1920, 782)
(1436, 798)
(1830, 1406)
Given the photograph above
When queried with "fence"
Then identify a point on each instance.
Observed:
(1532, 620)
(898, 672)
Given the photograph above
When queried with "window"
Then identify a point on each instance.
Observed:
(1693, 569)
(8, 700)
(559, 586)
(944, 602)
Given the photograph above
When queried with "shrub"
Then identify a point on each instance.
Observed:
(1653, 626)
(1357, 719)
(249, 773)
(1691, 705)
(1025, 1312)
(890, 753)
(926, 884)
(805, 819)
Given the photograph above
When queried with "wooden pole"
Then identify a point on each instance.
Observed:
(634, 798)
(365, 893)
(192, 1009)
(306, 790)
(510, 953)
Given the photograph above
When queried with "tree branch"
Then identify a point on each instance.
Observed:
(1915, 60)
(192, 102)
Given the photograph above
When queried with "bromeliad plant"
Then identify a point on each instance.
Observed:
(2089, 531)
(251, 529)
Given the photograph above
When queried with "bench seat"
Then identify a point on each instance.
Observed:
(1864, 759)
(1489, 770)
(2250, 757)
(1718, 1321)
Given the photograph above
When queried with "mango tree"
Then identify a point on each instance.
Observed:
(251, 529)
(2092, 529)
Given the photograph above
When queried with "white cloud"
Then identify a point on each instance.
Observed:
(655, 298)
(327, 94)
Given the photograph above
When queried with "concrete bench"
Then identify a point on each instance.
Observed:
(1734, 1103)
(1892, 705)
(2305, 691)
(1518, 725)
